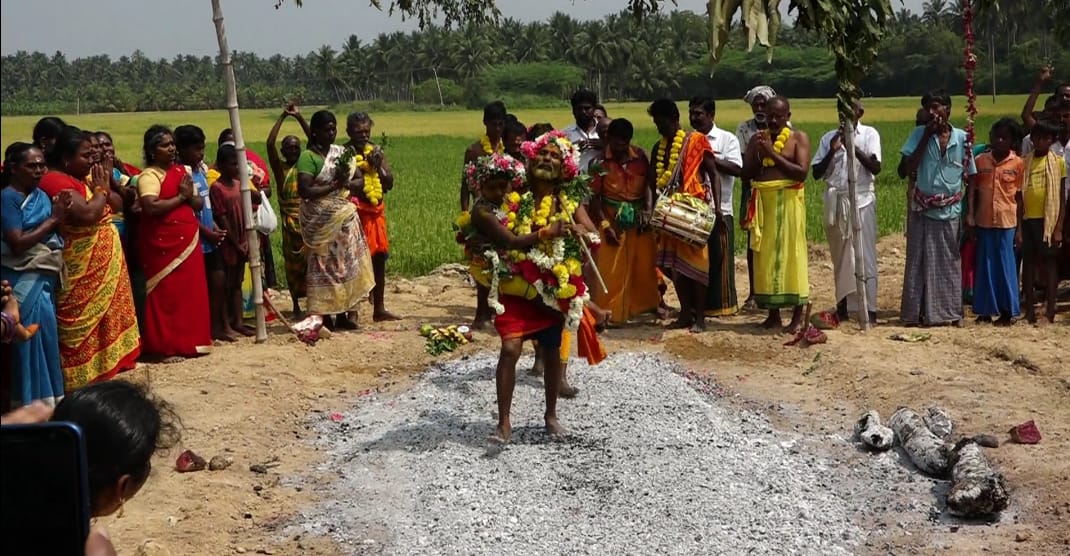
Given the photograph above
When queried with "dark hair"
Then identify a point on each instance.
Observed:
(515, 129)
(68, 142)
(223, 135)
(1010, 125)
(511, 119)
(663, 108)
(153, 136)
(1045, 127)
(1061, 106)
(621, 128)
(1050, 102)
(938, 95)
(14, 155)
(46, 128)
(188, 136)
(494, 111)
(358, 117)
(123, 427)
(705, 102)
(105, 134)
(583, 95)
(538, 129)
(602, 107)
(226, 153)
(321, 118)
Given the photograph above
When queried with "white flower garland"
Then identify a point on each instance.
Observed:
(495, 265)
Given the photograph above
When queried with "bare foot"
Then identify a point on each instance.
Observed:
(1005, 320)
(1031, 315)
(383, 315)
(567, 391)
(681, 323)
(480, 322)
(664, 311)
(501, 435)
(538, 368)
(173, 359)
(699, 326)
(793, 327)
(244, 330)
(771, 322)
(225, 336)
(554, 428)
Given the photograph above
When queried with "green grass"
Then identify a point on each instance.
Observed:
(425, 150)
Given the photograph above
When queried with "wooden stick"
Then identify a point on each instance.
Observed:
(590, 258)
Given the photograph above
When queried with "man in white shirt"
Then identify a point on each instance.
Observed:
(721, 293)
(583, 133)
(830, 164)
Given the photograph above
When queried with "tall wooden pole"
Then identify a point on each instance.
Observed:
(856, 224)
(243, 166)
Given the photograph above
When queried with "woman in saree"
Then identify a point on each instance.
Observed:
(177, 322)
(339, 274)
(32, 262)
(98, 335)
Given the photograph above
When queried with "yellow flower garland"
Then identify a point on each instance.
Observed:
(778, 146)
(663, 172)
(490, 149)
(373, 187)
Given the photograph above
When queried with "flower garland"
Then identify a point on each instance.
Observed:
(553, 267)
(570, 155)
(497, 165)
(373, 186)
(778, 146)
(663, 171)
(488, 148)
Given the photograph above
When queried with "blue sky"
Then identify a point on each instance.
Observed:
(166, 28)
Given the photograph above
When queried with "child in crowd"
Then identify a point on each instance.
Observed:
(226, 201)
(1040, 222)
(190, 141)
(992, 215)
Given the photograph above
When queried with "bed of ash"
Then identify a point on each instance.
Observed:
(656, 462)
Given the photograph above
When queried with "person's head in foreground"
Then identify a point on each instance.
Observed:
(778, 114)
(666, 116)
(938, 104)
(619, 137)
(494, 116)
(123, 427)
(494, 176)
(551, 157)
(1004, 137)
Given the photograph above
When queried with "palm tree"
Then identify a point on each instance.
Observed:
(936, 13)
(327, 70)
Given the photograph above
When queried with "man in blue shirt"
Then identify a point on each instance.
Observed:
(937, 152)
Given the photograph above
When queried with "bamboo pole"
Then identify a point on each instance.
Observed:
(856, 223)
(243, 165)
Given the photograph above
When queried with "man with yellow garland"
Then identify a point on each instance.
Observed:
(552, 160)
(777, 161)
(494, 118)
(521, 314)
(685, 167)
(378, 180)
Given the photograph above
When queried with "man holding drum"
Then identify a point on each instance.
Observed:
(685, 176)
(777, 161)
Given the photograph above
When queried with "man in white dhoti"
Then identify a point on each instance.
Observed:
(830, 164)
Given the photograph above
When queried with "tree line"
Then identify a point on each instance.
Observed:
(540, 63)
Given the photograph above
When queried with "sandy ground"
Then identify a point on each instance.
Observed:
(258, 403)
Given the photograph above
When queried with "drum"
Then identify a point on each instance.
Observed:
(684, 217)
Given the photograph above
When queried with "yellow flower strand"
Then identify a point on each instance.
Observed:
(489, 149)
(373, 186)
(778, 146)
(663, 171)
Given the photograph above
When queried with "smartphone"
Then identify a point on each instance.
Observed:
(45, 495)
(760, 121)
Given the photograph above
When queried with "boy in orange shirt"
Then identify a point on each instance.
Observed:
(992, 215)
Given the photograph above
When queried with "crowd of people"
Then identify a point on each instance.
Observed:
(112, 263)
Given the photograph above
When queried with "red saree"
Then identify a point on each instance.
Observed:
(98, 335)
(177, 321)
